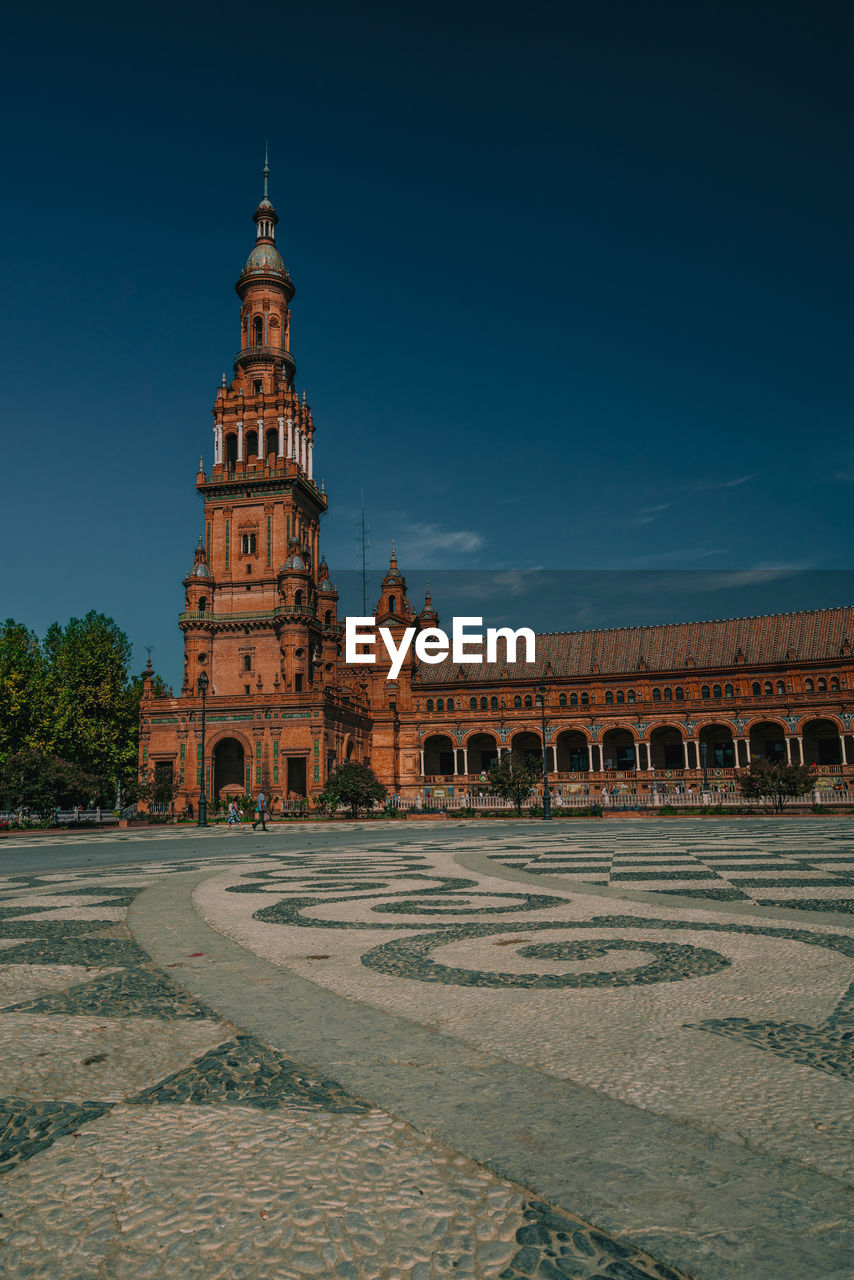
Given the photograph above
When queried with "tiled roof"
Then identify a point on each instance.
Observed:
(817, 635)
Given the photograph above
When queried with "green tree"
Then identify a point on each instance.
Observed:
(513, 778)
(23, 692)
(36, 780)
(353, 785)
(775, 784)
(93, 706)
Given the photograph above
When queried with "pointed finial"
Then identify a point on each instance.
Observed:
(224, 384)
(201, 463)
(266, 169)
(303, 395)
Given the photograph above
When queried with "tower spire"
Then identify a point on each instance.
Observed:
(266, 169)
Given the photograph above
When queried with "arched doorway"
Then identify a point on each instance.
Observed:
(822, 744)
(439, 755)
(528, 744)
(667, 748)
(482, 752)
(618, 750)
(573, 755)
(767, 741)
(720, 749)
(229, 768)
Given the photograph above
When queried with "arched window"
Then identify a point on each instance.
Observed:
(728, 691)
(768, 687)
(704, 692)
(573, 699)
(630, 696)
(250, 444)
(493, 704)
(203, 604)
(528, 701)
(609, 697)
(247, 662)
(472, 704)
(680, 693)
(272, 443)
(450, 704)
(562, 700)
(483, 704)
(808, 685)
(327, 618)
(834, 685)
(756, 688)
(429, 704)
(297, 599)
(231, 451)
(822, 685)
(585, 701)
(392, 604)
(257, 332)
(440, 704)
(668, 694)
(621, 697)
(656, 695)
(517, 701)
(781, 688)
(716, 691)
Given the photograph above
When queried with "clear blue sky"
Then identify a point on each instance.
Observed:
(573, 281)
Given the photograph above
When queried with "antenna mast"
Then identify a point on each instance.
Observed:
(363, 547)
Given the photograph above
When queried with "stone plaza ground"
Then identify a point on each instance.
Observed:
(490, 1050)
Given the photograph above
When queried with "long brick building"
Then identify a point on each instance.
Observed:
(631, 707)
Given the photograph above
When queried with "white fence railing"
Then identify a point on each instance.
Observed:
(61, 817)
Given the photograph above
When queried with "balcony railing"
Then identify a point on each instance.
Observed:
(249, 355)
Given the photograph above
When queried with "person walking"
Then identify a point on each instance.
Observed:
(233, 816)
(260, 811)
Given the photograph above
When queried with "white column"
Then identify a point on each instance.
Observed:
(240, 442)
(303, 452)
(216, 445)
(800, 743)
(684, 754)
(649, 764)
(697, 754)
(297, 442)
(290, 452)
(591, 764)
(421, 753)
(311, 459)
(281, 449)
(788, 742)
(465, 760)
(262, 442)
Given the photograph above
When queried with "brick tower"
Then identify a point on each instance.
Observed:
(260, 614)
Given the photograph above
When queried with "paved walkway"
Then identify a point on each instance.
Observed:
(370, 1052)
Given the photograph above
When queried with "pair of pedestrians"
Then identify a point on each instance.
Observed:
(235, 817)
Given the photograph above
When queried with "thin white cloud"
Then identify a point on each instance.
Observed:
(676, 554)
(702, 485)
(422, 540)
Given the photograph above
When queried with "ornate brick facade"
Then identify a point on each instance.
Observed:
(630, 706)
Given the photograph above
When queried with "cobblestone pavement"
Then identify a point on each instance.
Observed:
(800, 865)
(262, 1065)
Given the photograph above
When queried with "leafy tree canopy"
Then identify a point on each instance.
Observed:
(513, 778)
(776, 784)
(72, 699)
(353, 785)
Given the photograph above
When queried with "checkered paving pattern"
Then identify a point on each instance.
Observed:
(797, 865)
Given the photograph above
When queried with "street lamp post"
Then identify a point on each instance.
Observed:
(704, 752)
(202, 685)
(547, 799)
